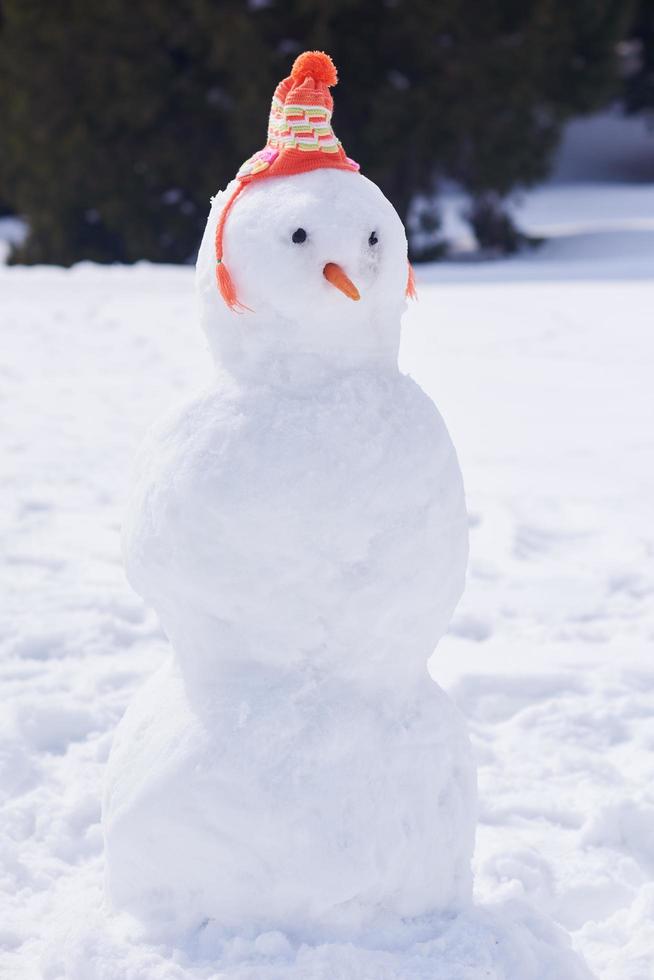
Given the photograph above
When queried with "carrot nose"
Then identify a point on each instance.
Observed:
(335, 275)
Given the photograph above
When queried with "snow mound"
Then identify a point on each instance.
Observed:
(506, 942)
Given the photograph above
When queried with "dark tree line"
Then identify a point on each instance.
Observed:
(119, 119)
(639, 84)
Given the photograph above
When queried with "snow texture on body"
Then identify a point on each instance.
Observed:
(542, 368)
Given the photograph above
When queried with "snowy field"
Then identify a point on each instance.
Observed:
(542, 367)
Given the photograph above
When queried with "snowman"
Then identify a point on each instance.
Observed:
(300, 529)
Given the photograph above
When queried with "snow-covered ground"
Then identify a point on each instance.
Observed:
(542, 367)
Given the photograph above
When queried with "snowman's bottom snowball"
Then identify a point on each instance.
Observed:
(305, 805)
(508, 942)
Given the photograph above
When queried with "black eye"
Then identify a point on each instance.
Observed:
(373, 238)
(299, 236)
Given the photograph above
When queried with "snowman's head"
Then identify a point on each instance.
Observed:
(303, 265)
(319, 261)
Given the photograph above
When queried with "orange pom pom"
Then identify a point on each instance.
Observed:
(411, 292)
(316, 65)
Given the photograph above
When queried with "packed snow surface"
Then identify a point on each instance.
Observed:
(544, 378)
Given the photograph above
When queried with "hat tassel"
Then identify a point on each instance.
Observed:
(223, 278)
(411, 292)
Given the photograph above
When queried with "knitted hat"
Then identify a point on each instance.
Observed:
(300, 134)
(300, 138)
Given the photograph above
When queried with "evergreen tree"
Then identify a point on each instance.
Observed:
(639, 84)
(120, 119)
